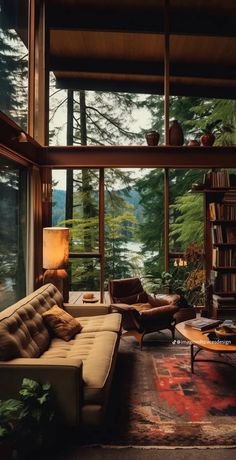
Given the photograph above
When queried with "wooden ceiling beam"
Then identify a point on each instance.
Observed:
(190, 22)
(141, 68)
(146, 87)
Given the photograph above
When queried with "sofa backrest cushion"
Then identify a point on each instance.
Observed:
(22, 329)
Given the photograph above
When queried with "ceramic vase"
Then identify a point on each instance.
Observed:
(152, 138)
(176, 134)
(193, 143)
(207, 139)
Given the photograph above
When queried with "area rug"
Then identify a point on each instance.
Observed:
(156, 401)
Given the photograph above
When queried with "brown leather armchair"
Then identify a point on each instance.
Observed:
(141, 312)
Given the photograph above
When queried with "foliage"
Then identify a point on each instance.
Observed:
(27, 420)
(13, 75)
(185, 214)
(188, 224)
(217, 116)
(188, 281)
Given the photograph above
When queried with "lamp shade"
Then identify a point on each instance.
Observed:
(55, 247)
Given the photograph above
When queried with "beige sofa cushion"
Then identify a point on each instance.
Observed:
(111, 322)
(96, 350)
(61, 323)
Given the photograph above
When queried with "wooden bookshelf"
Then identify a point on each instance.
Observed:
(219, 188)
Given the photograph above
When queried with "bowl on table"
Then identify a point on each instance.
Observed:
(226, 333)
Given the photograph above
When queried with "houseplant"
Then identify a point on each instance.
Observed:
(25, 422)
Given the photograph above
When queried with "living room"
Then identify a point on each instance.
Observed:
(116, 122)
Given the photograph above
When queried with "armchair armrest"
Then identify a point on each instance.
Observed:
(130, 316)
(159, 315)
(64, 375)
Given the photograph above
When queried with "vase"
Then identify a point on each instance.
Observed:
(207, 139)
(176, 134)
(152, 137)
(193, 143)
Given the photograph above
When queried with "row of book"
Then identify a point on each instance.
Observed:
(217, 179)
(225, 282)
(223, 257)
(219, 211)
(222, 235)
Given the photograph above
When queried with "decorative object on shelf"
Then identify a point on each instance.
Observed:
(89, 297)
(152, 137)
(176, 134)
(55, 258)
(207, 139)
(193, 143)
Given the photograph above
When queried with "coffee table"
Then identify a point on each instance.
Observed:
(200, 340)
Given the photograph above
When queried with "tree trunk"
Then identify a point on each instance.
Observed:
(69, 172)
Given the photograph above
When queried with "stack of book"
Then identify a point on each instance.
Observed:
(202, 323)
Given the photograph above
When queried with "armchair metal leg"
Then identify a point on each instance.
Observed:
(172, 329)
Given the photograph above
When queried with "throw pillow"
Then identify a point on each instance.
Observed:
(61, 323)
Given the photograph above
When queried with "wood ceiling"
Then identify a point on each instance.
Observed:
(119, 45)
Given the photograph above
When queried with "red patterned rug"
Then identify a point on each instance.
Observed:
(156, 401)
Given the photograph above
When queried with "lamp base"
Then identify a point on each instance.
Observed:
(60, 279)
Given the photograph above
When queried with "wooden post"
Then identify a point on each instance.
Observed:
(166, 218)
(101, 231)
(166, 125)
(166, 69)
(32, 70)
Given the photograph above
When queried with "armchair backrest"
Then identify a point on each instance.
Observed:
(127, 290)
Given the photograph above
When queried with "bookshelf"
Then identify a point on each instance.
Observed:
(219, 188)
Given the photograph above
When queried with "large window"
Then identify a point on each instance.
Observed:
(14, 60)
(12, 231)
(133, 225)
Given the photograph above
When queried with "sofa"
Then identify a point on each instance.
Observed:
(80, 370)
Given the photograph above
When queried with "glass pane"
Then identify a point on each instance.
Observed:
(76, 205)
(12, 232)
(110, 118)
(186, 236)
(14, 60)
(186, 216)
(134, 222)
(84, 274)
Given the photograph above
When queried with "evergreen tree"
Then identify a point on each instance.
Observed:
(13, 74)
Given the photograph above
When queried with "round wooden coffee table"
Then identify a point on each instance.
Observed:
(200, 340)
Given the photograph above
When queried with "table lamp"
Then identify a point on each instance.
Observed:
(55, 258)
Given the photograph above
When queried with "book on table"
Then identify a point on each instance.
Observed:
(202, 323)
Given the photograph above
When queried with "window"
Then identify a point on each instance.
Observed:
(12, 231)
(14, 60)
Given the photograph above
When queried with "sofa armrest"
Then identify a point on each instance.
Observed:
(64, 375)
(87, 310)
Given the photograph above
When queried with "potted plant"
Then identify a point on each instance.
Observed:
(10, 411)
(24, 423)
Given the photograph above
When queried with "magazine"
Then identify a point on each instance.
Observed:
(203, 323)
